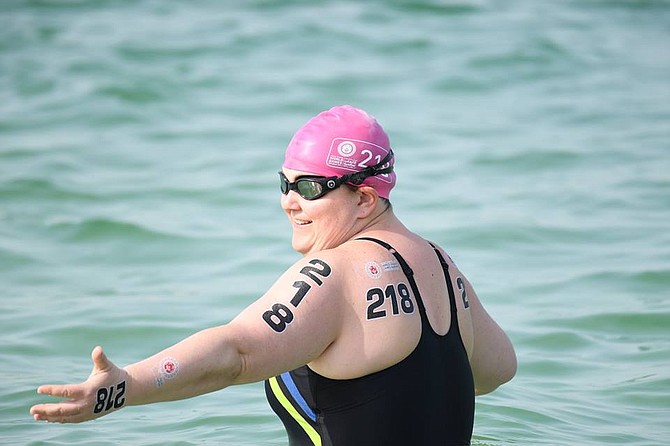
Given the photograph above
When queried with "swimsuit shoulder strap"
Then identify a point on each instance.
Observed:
(450, 287)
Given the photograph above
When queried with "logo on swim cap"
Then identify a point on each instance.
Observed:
(346, 148)
(355, 155)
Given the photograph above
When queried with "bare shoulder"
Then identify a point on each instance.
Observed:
(380, 323)
(295, 321)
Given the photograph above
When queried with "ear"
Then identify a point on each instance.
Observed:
(367, 200)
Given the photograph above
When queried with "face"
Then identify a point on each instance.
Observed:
(323, 223)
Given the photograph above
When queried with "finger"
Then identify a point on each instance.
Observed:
(62, 391)
(57, 413)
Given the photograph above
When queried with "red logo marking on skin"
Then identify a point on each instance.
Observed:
(169, 367)
(372, 270)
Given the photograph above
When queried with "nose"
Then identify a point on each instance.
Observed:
(290, 202)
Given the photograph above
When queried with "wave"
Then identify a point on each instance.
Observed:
(537, 159)
(100, 228)
(12, 259)
(40, 188)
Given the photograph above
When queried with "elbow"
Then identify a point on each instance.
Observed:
(489, 380)
(507, 367)
(234, 366)
(238, 371)
(508, 370)
(226, 364)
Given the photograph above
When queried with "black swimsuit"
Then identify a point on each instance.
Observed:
(425, 399)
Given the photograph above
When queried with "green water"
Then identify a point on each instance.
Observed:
(139, 144)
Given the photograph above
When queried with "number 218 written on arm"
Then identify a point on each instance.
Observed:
(280, 315)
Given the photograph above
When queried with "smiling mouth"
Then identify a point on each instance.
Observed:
(298, 222)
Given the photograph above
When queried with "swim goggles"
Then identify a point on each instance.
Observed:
(311, 187)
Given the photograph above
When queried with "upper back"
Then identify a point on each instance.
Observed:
(381, 321)
(391, 365)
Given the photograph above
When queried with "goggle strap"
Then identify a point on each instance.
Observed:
(371, 171)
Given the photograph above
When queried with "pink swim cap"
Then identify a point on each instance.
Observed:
(341, 141)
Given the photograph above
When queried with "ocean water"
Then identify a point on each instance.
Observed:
(139, 144)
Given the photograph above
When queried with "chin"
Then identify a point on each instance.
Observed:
(300, 246)
(298, 249)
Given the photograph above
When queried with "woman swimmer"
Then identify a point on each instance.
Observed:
(373, 337)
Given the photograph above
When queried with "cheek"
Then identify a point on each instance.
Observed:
(337, 221)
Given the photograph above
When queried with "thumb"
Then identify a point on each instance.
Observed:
(100, 361)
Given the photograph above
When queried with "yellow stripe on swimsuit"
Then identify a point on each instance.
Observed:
(311, 432)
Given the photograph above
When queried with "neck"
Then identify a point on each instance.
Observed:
(382, 218)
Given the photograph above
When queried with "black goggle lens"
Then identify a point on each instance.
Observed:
(309, 188)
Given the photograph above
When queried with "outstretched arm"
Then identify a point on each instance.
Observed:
(292, 324)
(201, 363)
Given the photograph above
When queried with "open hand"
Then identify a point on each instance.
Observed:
(103, 392)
